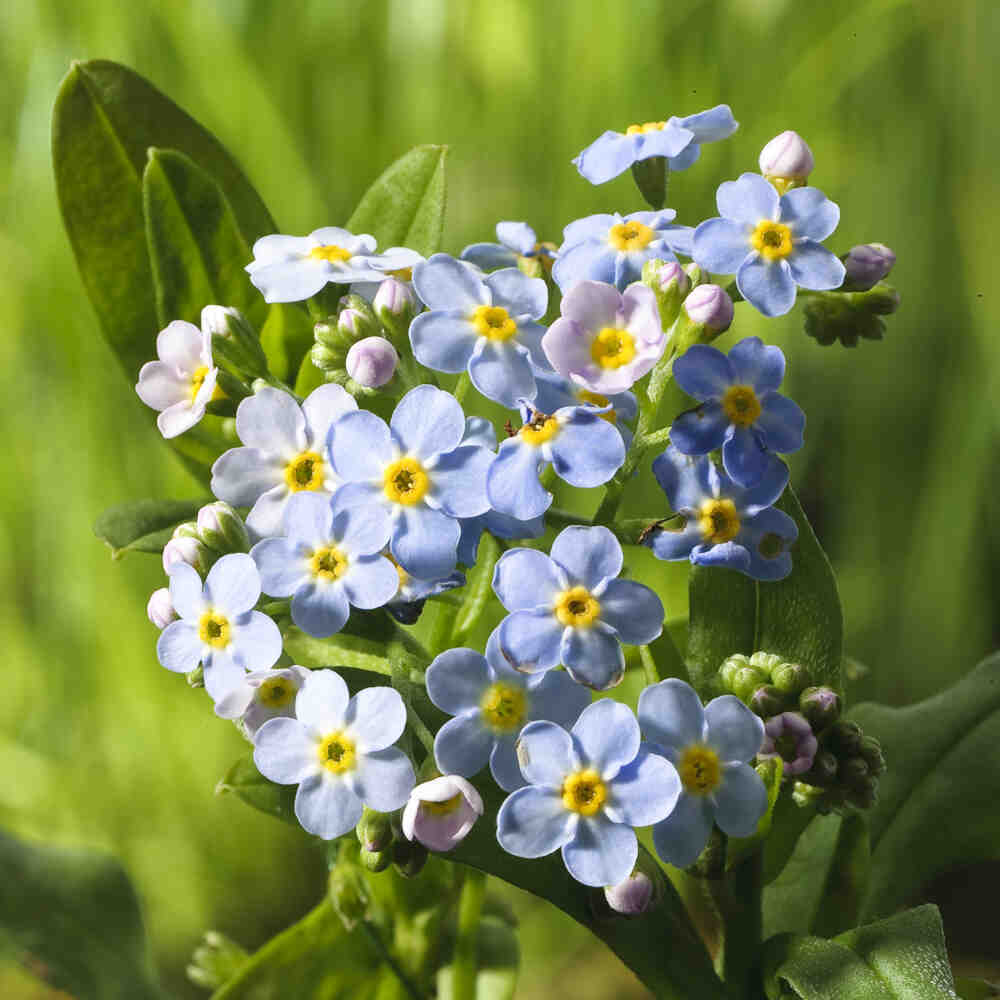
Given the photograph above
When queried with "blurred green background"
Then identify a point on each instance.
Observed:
(897, 100)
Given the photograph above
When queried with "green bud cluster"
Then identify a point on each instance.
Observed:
(849, 316)
(383, 844)
(236, 346)
(846, 770)
(349, 893)
(766, 683)
(221, 529)
(335, 335)
(215, 961)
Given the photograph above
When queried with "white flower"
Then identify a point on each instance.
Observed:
(262, 695)
(160, 609)
(441, 812)
(285, 453)
(182, 383)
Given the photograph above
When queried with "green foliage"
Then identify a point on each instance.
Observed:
(498, 957)
(73, 916)
(143, 525)
(247, 783)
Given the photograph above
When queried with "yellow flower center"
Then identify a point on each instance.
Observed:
(699, 769)
(645, 127)
(214, 629)
(328, 564)
(719, 521)
(336, 752)
(586, 396)
(503, 706)
(405, 481)
(402, 274)
(613, 348)
(493, 322)
(741, 405)
(276, 692)
(540, 429)
(628, 236)
(772, 240)
(584, 792)
(331, 253)
(577, 607)
(443, 808)
(305, 472)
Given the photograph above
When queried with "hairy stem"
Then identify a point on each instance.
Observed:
(470, 907)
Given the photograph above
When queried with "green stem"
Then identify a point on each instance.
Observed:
(397, 970)
(738, 897)
(470, 906)
(560, 518)
(656, 438)
(462, 387)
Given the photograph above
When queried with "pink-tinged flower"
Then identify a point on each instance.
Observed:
(605, 340)
(790, 737)
(631, 896)
(441, 812)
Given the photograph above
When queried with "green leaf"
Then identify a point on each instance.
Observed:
(405, 205)
(143, 525)
(846, 879)
(771, 771)
(498, 957)
(247, 783)
(976, 989)
(722, 621)
(74, 914)
(478, 588)
(287, 336)
(902, 958)
(942, 777)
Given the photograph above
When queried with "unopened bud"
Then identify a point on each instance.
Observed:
(215, 961)
(185, 549)
(871, 753)
(746, 680)
(854, 772)
(824, 769)
(215, 320)
(349, 895)
(730, 667)
(866, 265)
(695, 274)
(375, 861)
(235, 340)
(221, 528)
(409, 857)
(843, 738)
(160, 609)
(864, 796)
(196, 677)
(709, 306)
(805, 795)
(670, 284)
(767, 662)
(790, 678)
(395, 305)
(374, 830)
(632, 896)
(820, 705)
(787, 161)
(766, 701)
(372, 362)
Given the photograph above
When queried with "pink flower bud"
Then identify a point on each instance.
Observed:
(215, 320)
(160, 609)
(394, 297)
(710, 306)
(351, 321)
(672, 273)
(183, 549)
(787, 156)
(441, 812)
(372, 362)
(632, 896)
(866, 266)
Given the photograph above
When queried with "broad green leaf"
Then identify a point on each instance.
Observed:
(722, 621)
(498, 957)
(937, 805)
(846, 879)
(74, 914)
(143, 525)
(287, 336)
(478, 588)
(771, 771)
(902, 958)
(976, 989)
(247, 783)
(405, 206)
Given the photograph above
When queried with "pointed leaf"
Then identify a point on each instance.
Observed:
(722, 621)
(143, 525)
(247, 783)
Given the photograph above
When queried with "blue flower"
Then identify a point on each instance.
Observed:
(613, 249)
(723, 524)
(491, 702)
(555, 392)
(771, 243)
(486, 325)
(418, 469)
(587, 789)
(678, 139)
(218, 627)
(584, 449)
(339, 751)
(710, 748)
(328, 560)
(741, 410)
(517, 240)
(570, 608)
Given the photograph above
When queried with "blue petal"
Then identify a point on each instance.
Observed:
(530, 639)
(588, 555)
(588, 450)
(320, 609)
(519, 236)
(607, 156)
(256, 641)
(529, 336)
(711, 125)
(720, 245)
(729, 555)
(533, 822)
(456, 680)
(632, 610)
(809, 213)
(744, 457)
(758, 365)
(770, 521)
(468, 541)
(546, 753)
(601, 853)
(479, 431)
(525, 579)
(502, 372)
(186, 591)
(459, 481)
(558, 698)
(428, 421)
(308, 519)
(504, 526)
(767, 286)
(233, 584)
(282, 566)
(443, 340)
(815, 267)
(383, 780)
(375, 718)
(443, 283)
(684, 480)
(360, 447)
(424, 542)
(359, 530)
(607, 737)
(703, 372)
(591, 260)
(489, 256)
(326, 807)
(673, 545)
(671, 714)
(685, 159)
(643, 792)
(748, 200)
(766, 492)
(732, 729)
(782, 422)
(503, 765)
(462, 745)
(179, 648)
(740, 800)
(700, 430)
(519, 294)
(668, 142)
(588, 228)
(512, 483)
(370, 582)
(682, 836)
(678, 239)
(593, 656)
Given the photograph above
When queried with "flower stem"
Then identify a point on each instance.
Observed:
(397, 970)
(738, 898)
(470, 906)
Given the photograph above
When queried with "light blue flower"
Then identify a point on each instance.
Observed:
(771, 242)
(339, 751)
(491, 702)
(517, 240)
(483, 324)
(741, 410)
(555, 392)
(710, 748)
(722, 524)
(217, 626)
(329, 560)
(570, 608)
(612, 249)
(587, 789)
(417, 469)
(678, 139)
(584, 449)
(262, 695)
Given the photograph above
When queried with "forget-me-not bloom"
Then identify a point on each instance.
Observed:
(678, 139)
(584, 449)
(218, 627)
(329, 559)
(262, 695)
(740, 409)
(418, 469)
(441, 812)
(722, 524)
(605, 340)
(554, 392)
(710, 747)
(283, 454)
(339, 751)
(571, 608)
(491, 703)
(586, 791)
(485, 324)
(517, 240)
(613, 249)
(771, 242)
